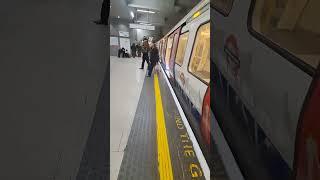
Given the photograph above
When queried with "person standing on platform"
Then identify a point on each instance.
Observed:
(133, 50)
(104, 13)
(119, 53)
(123, 52)
(145, 53)
(154, 58)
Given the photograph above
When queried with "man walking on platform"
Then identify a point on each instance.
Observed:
(145, 51)
(154, 58)
(133, 50)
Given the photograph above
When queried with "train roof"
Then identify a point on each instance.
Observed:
(198, 7)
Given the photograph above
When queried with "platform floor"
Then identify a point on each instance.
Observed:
(158, 146)
(126, 81)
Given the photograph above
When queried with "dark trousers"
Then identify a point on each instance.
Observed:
(134, 54)
(105, 9)
(145, 58)
(150, 68)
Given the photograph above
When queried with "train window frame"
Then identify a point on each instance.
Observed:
(221, 11)
(170, 51)
(286, 54)
(173, 42)
(184, 48)
(165, 39)
(194, 42)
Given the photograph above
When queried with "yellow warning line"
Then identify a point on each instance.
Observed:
(164, 160)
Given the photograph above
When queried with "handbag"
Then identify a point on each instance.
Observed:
(157, 68)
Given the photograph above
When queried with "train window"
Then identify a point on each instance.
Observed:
(200, 58)
(164, 48)
(222, 6)
(182, 47)
(291, 25)
(168, 51)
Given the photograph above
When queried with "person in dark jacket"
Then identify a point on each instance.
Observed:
(133, 50)
(123, 50)
(154, 58)
(145, 51)
(104, 13)
(119, 53)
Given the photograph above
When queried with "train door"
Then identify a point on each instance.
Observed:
(160, 49)
(197, 70)
(175, 36)
(164, 47)
(181, 59)
(168, 53)
(263, 66)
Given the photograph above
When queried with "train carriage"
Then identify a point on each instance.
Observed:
(185, 57)
(265, 63)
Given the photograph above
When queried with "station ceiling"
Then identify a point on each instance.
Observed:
(164, 10)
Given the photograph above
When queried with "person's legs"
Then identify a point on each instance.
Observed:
(142, 64)
(144, 58)
(150, 68)
(104, 13)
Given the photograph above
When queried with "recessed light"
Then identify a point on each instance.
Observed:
(118, 17)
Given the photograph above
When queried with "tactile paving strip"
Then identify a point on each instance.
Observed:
(184, 159)
(140, 158)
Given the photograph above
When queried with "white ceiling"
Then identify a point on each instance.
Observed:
(167, 11)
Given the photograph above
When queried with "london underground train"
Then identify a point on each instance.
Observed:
(265, 92)
(185, 57)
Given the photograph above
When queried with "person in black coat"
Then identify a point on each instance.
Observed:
(145, 53)
(154, 58)
(104, 13)
(133, 50)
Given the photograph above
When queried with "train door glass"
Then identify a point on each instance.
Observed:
(168, 51)
(173, 52)
(291, 25)
(181, 48)
(160, 49)
(164, 49)
(199, 64)
(222, 6)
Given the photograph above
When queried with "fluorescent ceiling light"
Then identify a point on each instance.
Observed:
(141, 10)
(145, 23)
(132, 15)
(140, 26)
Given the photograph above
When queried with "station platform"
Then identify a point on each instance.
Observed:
(160, 144)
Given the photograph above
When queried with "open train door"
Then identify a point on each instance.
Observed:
(170, 53)
(175, 35)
